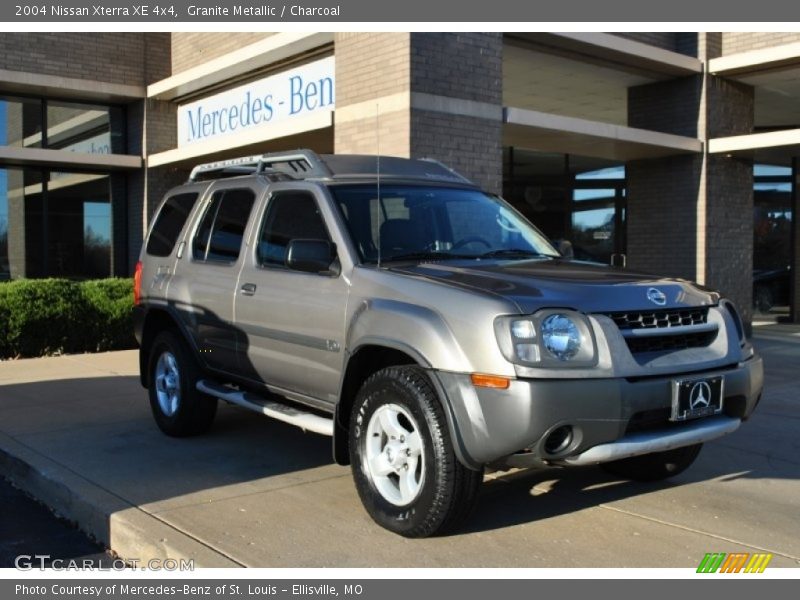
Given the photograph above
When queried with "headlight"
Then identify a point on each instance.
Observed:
(561, 337)
(548, 338)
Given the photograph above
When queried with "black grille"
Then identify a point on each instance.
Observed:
(662, 343)
(660, 319)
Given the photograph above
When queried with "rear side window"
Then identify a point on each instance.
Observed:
(219, 237)
(290, 216)
(169, 223)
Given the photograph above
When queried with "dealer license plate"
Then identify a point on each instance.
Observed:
(696, 398)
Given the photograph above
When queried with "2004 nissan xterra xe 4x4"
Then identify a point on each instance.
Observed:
(428, 328)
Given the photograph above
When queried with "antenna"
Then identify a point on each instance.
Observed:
(378, 170)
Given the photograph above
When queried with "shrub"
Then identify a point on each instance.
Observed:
(52, 316)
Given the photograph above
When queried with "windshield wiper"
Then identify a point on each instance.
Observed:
(514, 253)
(422, 256)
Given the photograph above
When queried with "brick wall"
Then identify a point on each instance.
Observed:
(471, 146)
(729, 230)
(190, 49)
(146, 189)
(691, 216)
(744, 41)
(662, 215)
(111, 57)
(361, 136)
(17, 238)
(730, 108)
(370, 66)
(667, 106)
(458, 65)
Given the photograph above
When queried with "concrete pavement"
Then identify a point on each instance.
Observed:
(76, 432)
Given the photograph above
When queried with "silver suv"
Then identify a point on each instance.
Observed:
(428, 328)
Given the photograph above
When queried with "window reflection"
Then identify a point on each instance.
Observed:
(20, 122)
(54, 224)
(772, 237)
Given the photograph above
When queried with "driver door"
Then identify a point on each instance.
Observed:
(292, 322)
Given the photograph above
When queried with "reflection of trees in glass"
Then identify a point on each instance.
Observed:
(96, 254)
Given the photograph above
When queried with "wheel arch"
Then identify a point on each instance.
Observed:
(156, 320)
(369, 358)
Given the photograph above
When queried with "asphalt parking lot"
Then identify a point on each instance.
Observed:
(76, 431)
(35, 537)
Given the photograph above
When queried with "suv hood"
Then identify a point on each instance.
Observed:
(556, 283)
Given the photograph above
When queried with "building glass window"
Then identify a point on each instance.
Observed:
(5, 268)
(20, 122)
(772, 238)
(55, 224)
(59, 125)
(578, 199)
(84, 128)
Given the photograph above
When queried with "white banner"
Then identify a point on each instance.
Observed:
(292, 94)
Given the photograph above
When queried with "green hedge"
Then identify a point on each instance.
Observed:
(52, 316)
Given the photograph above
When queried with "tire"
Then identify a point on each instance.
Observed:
(179, 409)
(656, 466)
(438, 492)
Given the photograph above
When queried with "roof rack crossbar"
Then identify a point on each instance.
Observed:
(300, 164)
(222, 165)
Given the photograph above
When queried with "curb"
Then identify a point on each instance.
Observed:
(130, 532)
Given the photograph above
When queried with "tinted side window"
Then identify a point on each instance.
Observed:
(169, 223)
(220, 234)
(289, 216)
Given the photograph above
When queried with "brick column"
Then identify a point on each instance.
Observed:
(422, 95)
(152, 126)
(17, 225)
(691, 216)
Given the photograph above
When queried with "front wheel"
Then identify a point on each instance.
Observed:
(402, 457)
(656, 466)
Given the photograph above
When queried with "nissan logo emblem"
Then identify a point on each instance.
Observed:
(656, 296)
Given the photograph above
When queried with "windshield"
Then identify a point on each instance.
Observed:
(411, 222)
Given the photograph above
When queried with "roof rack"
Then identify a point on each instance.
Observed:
(307, 164)
(299, 164)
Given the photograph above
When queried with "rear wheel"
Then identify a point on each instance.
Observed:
(656, 466)
(402, 458)
(179, 409)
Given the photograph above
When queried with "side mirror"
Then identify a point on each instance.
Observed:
(564, 248)
(311, 256)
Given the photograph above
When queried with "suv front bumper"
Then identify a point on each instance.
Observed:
(510, 426)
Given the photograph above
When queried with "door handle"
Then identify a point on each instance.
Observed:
(248, 289)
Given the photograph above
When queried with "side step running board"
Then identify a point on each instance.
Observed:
(304, 420)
